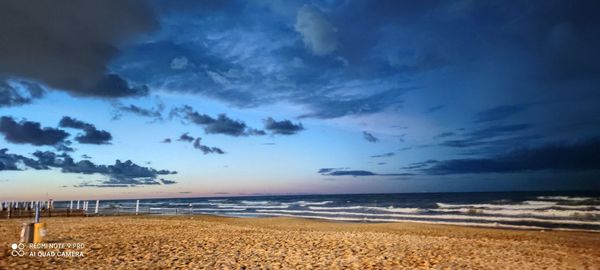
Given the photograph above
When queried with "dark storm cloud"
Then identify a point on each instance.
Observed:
(578, 156)
(69, 122)
(121, 174)
(94, 137)
(14, 162)
(283, 127)
(390, 154)
(198, 144)
(292, 53)
(167, 182)
(185, 138)
(30, 132)
(420, 165)
(64, 147)
(206, 149)
(351, 173)
(220, 125)
(307, 70)
(369, 137)
(355, 173)
(493, 131)
(15, 94)
(91, 134)
(443, 135)
(495, 137)
(498, 113)
(332, 107)
(154, 113)
(67, 45)
(325, 170)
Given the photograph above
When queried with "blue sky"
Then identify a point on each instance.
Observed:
(288, 97)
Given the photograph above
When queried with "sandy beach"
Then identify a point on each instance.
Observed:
(209, 242)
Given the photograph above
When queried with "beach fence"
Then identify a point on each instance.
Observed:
(84, 208)
(19, 209)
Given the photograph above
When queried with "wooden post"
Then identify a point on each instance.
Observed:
(77, 204)
(96, 210)
(71, 205)
(9, 209)
(137, 207)
(37, 213)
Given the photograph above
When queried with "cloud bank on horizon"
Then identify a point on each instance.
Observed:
(340, 89)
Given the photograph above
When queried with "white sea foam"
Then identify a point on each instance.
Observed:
(548, 213)
(440, 217)
(187, 204)
(527, 205)
(256, 202)
(385, 209)
(539, 202)
(335, 208)
(498, 206)
(217, 209)
(237, 206)
(305, 203)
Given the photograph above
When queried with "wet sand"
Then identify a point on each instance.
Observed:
(209, 242)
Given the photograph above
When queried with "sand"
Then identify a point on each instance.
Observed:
(208, 242)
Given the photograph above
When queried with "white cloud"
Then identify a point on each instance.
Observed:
(218, 78)
(179, 63)
(317, 32)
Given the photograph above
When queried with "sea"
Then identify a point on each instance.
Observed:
(578, 211)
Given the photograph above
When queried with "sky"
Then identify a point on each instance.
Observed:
(145, 99)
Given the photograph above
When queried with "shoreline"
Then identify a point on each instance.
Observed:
(195, 241)
(489, 225)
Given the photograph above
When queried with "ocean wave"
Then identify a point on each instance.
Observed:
(547, 213)
(475, 224)
(306, 203)
(217, 209)
(565, 198)
(335, 208)
(526, 205)
(237, 206)
(188, 204)
(163, 208)
(385, 209)
(256, 202)
(497, 206)
(149, 203)
(442, 217)
(539, 202)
